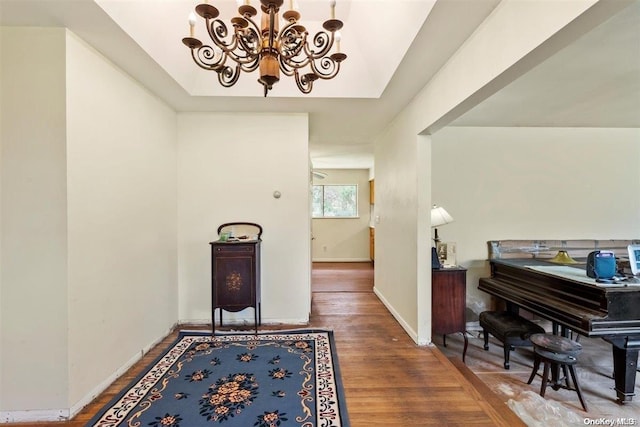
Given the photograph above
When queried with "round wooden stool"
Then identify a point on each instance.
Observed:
(556, 352)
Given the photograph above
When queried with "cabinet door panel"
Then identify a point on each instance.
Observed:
(234, 282)
(448, 301)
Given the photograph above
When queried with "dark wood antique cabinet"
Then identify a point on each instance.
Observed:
(235, 278)
(448, 303)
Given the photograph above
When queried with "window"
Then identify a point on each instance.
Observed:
(335, 201)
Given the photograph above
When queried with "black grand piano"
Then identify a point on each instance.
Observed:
(564, 295)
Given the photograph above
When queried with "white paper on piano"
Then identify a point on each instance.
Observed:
(574, 273)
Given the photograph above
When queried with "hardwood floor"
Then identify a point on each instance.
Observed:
(342, 277)
(388, 379)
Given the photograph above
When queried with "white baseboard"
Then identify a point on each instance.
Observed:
(413, 334)
(197, 322)
(341, 260)
(65, 414)
(39, 415)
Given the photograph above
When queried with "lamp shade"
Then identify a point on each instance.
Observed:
(439, 216)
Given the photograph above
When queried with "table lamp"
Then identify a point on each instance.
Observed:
(439, 216)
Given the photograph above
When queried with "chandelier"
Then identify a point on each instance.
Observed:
(249, 46)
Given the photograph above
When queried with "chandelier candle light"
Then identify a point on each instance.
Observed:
(250, 46)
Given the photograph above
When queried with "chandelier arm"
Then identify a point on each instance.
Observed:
(287, 27)
(218, 31)
(285, 68)
(247, 44)
(304, 83)
(287, 57)
(326, 68)
(291, 43)
(251, 64)
(248, 36)
(204, 57)
(228, 76)
(297, 61)
(254, 24)
(289, 65)
(293, 58)
(323, 41)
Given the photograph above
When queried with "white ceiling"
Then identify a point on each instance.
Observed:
(593, 82)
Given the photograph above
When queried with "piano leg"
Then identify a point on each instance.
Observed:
(625, 363)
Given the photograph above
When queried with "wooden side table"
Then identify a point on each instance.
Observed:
(449, 303)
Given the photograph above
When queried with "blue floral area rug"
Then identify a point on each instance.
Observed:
(288, 378)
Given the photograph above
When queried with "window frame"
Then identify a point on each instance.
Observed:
(357, 204)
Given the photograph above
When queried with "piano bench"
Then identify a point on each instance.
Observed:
(510, 329)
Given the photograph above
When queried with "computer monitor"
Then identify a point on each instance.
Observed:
(634, 258)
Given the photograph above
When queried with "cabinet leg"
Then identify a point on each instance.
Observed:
(255, 318)
(466, 344)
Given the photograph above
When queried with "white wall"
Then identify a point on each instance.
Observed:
(343, 239)
(402, 157)
(2, 90)
(88, 224)
(122, 216)
(533, 183)
(89, 215)
(505, 46)
(33, 338)
(229, 166)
